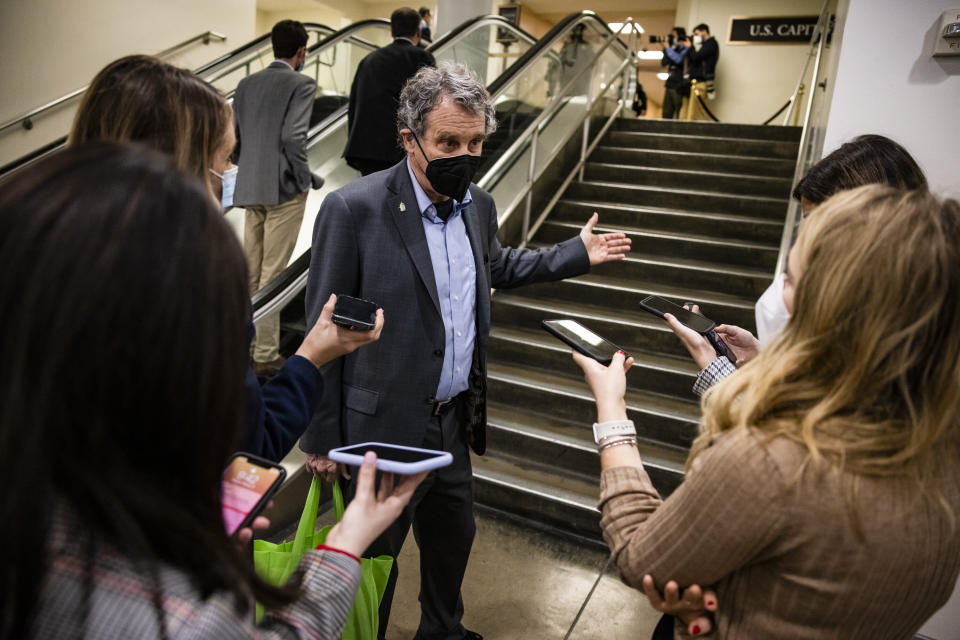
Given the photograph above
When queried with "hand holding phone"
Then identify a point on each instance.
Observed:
(248, 484)
(705, 327)
(355, 313)
(583, 340)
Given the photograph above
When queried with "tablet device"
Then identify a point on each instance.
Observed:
(355, 313)
(393, 457)
(582, 339)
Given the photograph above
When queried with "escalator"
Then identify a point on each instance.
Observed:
(224, 73)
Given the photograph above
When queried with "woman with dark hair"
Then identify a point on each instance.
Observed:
(142, 99)
(121, 402)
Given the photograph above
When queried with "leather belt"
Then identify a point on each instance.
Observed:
(440, 408)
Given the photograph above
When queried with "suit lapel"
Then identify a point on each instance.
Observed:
(471, 220)
(407, 219)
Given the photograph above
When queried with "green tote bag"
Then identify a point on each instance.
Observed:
(275, 563)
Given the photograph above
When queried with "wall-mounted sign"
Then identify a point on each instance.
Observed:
(779, 30)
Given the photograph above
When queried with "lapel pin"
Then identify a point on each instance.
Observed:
(403, 207)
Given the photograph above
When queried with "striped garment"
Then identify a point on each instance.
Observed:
(123, 604)
(776, 541)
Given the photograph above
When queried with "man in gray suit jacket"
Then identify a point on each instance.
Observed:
(272, 115)
(420, 240)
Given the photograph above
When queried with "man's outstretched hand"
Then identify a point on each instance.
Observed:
(603, 247)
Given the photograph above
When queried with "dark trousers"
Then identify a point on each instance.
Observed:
(441, 512)
(672, 101)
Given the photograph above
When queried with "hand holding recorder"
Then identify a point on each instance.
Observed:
(329, 339)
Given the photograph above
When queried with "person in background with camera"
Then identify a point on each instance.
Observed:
(674, 55)
(702, 58)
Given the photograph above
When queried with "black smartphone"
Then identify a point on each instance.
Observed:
(354, 313)
(582, 339)
(659, 306)
(248, 484)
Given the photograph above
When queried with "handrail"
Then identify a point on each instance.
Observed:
(256, 43)
(803, 161)
(533, 129)
(25, 120)
(497, 87)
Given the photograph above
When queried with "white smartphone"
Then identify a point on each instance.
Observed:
(393, 457)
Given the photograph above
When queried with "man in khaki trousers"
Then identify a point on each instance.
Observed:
(272, 115)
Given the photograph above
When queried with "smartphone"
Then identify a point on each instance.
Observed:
(582, 339)
(248, 484)
(355, 313)
(393, 457)
(659, 306)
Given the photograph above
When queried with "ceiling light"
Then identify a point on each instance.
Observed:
(650, 55)
(663, 76)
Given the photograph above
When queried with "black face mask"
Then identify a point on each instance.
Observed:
(450, 176)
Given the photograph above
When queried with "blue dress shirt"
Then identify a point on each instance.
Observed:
(456, 278)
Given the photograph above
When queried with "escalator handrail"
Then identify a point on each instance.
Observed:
(546, 42)
(341, 34)
(255, 43)
(469, 25)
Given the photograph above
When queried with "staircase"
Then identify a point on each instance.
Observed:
(704, 205)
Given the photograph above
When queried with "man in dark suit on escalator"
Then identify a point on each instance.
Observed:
(372, 143)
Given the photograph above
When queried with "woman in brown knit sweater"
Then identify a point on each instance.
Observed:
(822, 495)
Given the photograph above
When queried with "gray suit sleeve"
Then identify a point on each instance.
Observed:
(293, 134)
(334, 268)
(516, 267)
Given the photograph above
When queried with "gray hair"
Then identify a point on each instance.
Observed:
(430, 85)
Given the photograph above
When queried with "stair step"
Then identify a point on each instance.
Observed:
(659, 418)
(619, 325)
(743, 165)
(569, 448)
(608, 293)
(715, 181)
(683, 199)
(682, 272)
(521, 489)
(702, 144)
(718, 225)
(648, 243)
(535, 347)
(716, 129)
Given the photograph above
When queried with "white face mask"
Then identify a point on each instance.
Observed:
(697, 40)
(229, 181)
(772, 314)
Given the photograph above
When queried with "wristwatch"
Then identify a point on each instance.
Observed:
(603, 430)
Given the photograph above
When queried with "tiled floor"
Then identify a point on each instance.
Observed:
(525, 584)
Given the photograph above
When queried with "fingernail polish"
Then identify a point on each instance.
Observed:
(622, 352)
(695, 629)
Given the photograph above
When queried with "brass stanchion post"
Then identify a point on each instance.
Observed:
(690, 99)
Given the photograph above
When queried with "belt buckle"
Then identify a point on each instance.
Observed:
(440, 407)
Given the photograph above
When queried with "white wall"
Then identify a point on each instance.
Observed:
(753, 80)
(51, 47)
(899, 91)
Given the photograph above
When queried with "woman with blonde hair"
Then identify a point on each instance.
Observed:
(822, 494)
(145, 100)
